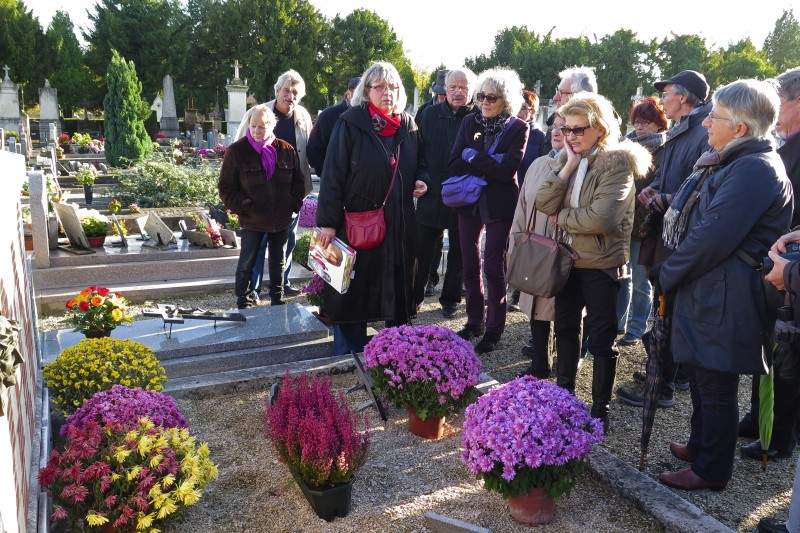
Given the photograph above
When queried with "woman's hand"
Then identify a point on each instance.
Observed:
(775, 276)
(326, 235)
(573, 160)
(420, 188)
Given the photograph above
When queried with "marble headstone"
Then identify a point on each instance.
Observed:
(48, 103)
(211, 139)
(157, 106)
(197, 135)
(9, 103)
(68, 217)
(159, 233)
(169, 115)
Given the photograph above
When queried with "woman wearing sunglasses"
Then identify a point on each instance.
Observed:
(489, 144)
(590, 195)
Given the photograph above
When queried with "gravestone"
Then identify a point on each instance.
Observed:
(197, 135)
(48, 105)
(68, 218)
(211, 139)
(123, 243)
(156, 106)
(237, 101)
(161, 236)
(169, 115)
(9, 104)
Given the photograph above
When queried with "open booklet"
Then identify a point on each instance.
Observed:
(334, 263)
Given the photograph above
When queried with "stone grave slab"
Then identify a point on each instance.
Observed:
(68, 217)
(160, 234)
(265, 326)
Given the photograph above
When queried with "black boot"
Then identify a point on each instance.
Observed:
(605, 369)
(245, 295)
(542, 349)
(568, 350)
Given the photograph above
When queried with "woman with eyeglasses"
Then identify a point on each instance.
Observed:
(720, 224)
(590, 195)
(489, 145)
(261, 181)
(636, 295)
(373, 156)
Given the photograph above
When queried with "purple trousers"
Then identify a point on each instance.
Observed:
(494, 267)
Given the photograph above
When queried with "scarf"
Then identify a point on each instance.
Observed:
(491, 126)
(651, 141)
(384, 125)
(580, 175)
(267, 151)
(676, 219)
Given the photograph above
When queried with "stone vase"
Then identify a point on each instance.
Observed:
(430, 428)
(532, 509)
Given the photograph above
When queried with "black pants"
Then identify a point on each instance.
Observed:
(597, 292)
(715, 412)
(251, 242)
(427, 238)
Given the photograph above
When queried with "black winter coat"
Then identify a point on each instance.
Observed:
(356, 177)
(533, 150)
(262, 205)
(499, 197)
(321, 135)
(745, 203)
(438, 127)
(790, 154)
(686, 142)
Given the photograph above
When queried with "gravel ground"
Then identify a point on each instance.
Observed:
(406, 476)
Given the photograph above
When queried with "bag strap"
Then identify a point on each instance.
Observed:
(502, 133)
(394, 175)
(530, 225)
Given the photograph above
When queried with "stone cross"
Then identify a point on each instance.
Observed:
(235, 69)
(6, 69)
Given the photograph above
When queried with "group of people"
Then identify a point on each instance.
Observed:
(686, 211)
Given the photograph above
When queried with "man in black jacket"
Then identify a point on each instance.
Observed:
(323, 127)
(438, 126)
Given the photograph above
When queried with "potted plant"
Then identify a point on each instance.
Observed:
(315, 296)
(308, 213)
(86, 176)
(96, 311)
(114, 206)
(82, 140)
(125, 480)
(233, 221)
(428, 369)
(529, 440)
(59, 152)
(95, 365)
(127, 405)
(316, 434)
(301, 248)
(94, 225)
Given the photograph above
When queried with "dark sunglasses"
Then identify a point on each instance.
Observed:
(578, 132)
(491, 98)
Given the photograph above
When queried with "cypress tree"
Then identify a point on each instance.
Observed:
(126, 137)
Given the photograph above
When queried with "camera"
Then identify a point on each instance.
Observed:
(792, 254)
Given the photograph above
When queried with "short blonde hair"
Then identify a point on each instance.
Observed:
(598, 111)
(257, 110)
(380, 71)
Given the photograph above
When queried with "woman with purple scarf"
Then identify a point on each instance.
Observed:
(261, 181)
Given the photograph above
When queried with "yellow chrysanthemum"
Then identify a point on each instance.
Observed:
(95, 519)
(145, 521)
(116, 314)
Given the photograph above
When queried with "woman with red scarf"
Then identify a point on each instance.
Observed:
(261, 181)
(374, 147)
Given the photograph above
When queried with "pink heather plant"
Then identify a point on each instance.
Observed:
(529, 433)
(314, 432)
(127, 405)
(427, 368)
(308, 213)
(313, 291)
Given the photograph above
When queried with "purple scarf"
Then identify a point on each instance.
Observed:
(267, 151)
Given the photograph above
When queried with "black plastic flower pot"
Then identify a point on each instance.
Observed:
(328, 503)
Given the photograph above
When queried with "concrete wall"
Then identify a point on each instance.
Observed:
(18, 441)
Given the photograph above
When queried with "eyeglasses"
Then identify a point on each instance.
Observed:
(642, 123)
(578, 132)
(665, 93)
(382, 88)
(713, 116)
(258, 129)
(563, 93)
(454, 88)
(491, 98)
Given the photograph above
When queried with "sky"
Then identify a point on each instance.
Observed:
(439, 32)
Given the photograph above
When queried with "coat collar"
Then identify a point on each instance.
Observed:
(360, 118)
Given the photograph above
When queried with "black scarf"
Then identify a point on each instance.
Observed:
(492, 126)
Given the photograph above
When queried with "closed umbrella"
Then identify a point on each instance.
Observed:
(656, 343)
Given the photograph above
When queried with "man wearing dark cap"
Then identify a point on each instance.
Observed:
(438, 91)
(323, 127)
(683, 97)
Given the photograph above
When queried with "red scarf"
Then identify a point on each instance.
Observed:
(385, 125)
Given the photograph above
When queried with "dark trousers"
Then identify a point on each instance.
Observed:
(433, 278)
(786, 424)
(597, 292)
(251, 242)
(715, 413)
(494, 267)
(258, 268)
(428, 239)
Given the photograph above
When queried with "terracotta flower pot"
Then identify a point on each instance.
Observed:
(532, 509)
(430, 428)
(96, 242)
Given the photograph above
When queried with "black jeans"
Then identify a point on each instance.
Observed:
(597, 292)
(251, 242)
(427, 238)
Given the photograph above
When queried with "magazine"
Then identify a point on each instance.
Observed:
(334, 263)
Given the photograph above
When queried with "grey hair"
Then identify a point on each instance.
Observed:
(471, 78)
(380, 71)
(297, 81)
(583, 78)
(264, 110)
(789, 84)
(506, 82)
(754, 103)
(691, 99)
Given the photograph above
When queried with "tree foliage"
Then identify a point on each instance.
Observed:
(69, 74)
(21, 43)
(126, 138)
(782, 45)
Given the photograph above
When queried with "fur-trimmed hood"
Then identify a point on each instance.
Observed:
(625, 153)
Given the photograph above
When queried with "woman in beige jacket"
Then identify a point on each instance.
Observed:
(540, 311)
